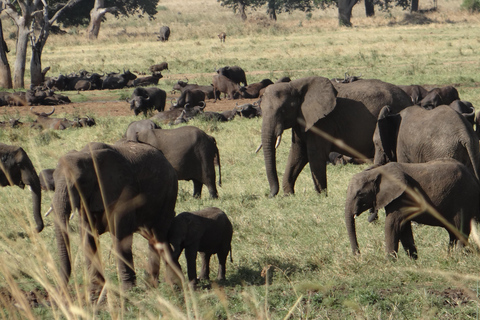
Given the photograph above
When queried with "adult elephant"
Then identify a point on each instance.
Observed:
(190, 151)
(123, 188)
(417, 135)
(308, 105)
(16, 169)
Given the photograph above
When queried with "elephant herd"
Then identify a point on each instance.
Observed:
(424, 159)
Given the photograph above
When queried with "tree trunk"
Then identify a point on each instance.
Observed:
(370, 8)
(241, 9)
(5, 72)
(414, 6)
(21, 56)
(271, 10)
(345, 12)
(96, 16)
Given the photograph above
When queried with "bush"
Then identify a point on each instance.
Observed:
(471, 5)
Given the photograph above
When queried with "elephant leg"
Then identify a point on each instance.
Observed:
(191, 256)
(222, 263)
(209, 179)
(392, 235)
(205, 271)
(92, 258)
(197, 189)
(408, 243)
(317, 152)
(153, 264)
(123, 246)
(297, 159)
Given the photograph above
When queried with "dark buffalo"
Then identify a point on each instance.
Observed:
(182, 86)
(252, 91)
(439, 96)
(416, 92)
(147, 99)
(193, 98)
(117, 80)
(146, 81)
(164, 34)
(234, 73)
(158, 67)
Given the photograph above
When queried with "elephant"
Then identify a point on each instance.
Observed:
(439, 96)
(439, 133)
(397, 187)
(208, 231)
(234, 73)
(137, 126)
(164, 34)
(465, 108)
(309, 105)
(16, 169)
(46, 180)
(123, 188)
(416, 92)
(190, 151)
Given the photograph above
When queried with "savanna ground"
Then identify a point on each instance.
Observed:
(291, 255)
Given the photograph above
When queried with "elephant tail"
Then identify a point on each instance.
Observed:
(231, 255)
(217, 155)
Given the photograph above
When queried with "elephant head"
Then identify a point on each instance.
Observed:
(17, 169)
(385, 136)
(300, 104)
(373, 188)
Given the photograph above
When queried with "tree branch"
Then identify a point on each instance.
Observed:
(69, 4)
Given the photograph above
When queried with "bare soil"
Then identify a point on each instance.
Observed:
(104, 108)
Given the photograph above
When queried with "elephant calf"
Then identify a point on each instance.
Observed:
(441, 184)
(207, 231)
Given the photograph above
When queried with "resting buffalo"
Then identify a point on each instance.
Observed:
(147, 99)
(169, 116)
(234, 73)
(252, 91)
(146, 81)
(225, 85)
(191, 97)
(117, 80)
(182, 86)
(416, 92)
(158, 67)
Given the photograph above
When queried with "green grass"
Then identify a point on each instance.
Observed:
(291, 254)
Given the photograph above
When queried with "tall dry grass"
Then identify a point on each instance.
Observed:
(291, 254)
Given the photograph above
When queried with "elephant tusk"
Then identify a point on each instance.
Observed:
(259, 147)
(48, 212)
(279, 139)
(73, 213)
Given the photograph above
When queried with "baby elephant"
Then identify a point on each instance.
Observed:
(446, 185)
(207, 231)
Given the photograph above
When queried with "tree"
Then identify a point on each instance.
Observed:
(273, 6)
(5, 73)
(93, 13)
(33, 22)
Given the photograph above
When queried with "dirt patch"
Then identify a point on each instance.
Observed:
(106, 108)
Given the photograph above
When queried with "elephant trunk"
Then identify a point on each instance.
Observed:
(350, 214)
(268, 142)
(62, 208)
(30, 178)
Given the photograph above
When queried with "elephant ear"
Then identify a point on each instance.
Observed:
(390, 184)
(319, 98)
(386, 133)
(27, 170)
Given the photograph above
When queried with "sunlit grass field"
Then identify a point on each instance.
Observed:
(292, 257)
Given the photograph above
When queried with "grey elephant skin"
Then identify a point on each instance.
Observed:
(308, 105)
(446, 185)
(191, 152)
(417, 135)
(125, 188)
(208, 231)
(16, 169)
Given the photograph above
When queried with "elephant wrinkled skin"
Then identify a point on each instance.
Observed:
(347, 112)
(123, 188)
(446, 185)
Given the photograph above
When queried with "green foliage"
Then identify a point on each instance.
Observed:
(471, 5)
